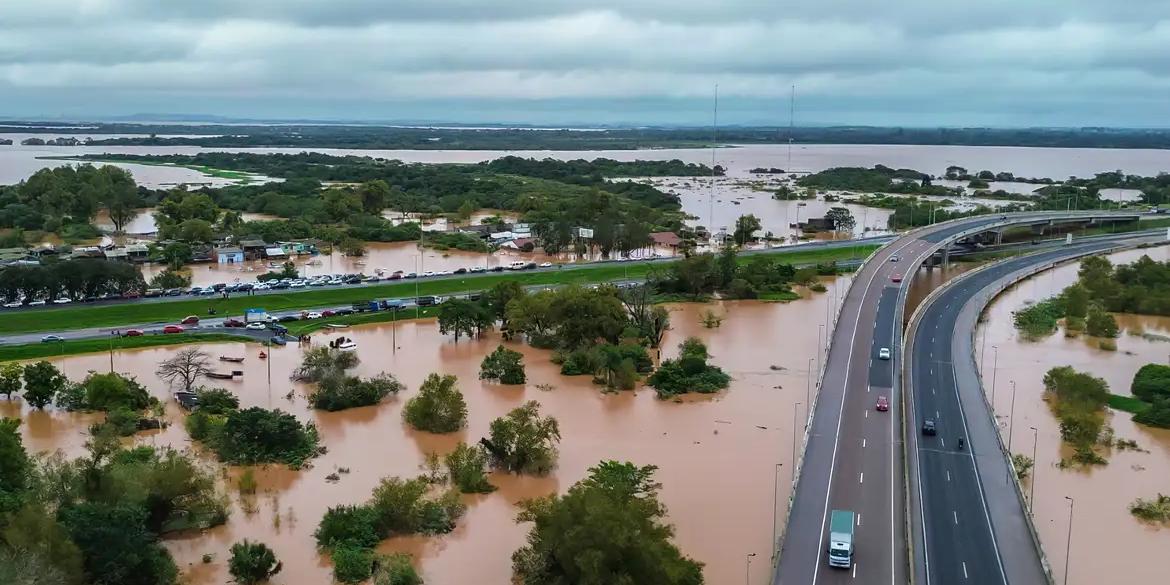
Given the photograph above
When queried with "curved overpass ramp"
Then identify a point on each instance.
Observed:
(853, 455)
(969, 520)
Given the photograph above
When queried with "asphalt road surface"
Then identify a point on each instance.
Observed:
(969, 522)
(853, 458)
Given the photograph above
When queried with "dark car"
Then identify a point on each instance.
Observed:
(529, 266)
(426, 301)
(928, 428)
(173, 292)
(245, 286)
(460, 271)
(343, 312)
(219, 286)
(497, 268)
(280, 285)
(355, 279)
(287, 318)
(277, 329)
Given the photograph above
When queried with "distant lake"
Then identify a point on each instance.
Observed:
(18, 162)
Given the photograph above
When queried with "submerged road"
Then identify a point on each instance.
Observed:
(969, 521)
(853, 457)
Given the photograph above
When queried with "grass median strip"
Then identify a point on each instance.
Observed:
(82, 316)
(32, 351)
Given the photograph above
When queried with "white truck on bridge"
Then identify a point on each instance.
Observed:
(841, 539)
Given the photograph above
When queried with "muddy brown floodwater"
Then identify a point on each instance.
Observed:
(1107, 542)
(716, 454)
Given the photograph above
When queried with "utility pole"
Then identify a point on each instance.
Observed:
(1032, 484)
(711, 194)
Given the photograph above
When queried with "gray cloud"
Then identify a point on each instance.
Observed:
(908, 62)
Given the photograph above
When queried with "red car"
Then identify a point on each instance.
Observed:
(173, 329)
(882, 404)
(896, 278)
(233, 323)
(132, 333)
(328, 313)
(190, 320)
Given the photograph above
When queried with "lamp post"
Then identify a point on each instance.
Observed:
(793, 460)
(775, 506)
(1032, 487)
(417, 275)
(748, 575)
(808, 382)
(1068, 544)
(111, 352)
(820, 344)
(994, 371)
(1012, 416)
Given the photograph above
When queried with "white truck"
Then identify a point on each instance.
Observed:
(841, 538)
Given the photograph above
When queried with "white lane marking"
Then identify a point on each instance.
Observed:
(840, 418)
(861, 478)
(854, 570)
(937, 415)
(978, 480)
(859, 519)
(956, 515)
(863, 443)
(948, 475)
(943, 442)
(965, 570)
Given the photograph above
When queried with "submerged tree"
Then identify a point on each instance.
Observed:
(503, 365)
(186, 368)
(523, 441)
(614, 519)
(439, 406)
(252, 562)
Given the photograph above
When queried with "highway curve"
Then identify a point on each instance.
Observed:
(853, 456)
(968, 519)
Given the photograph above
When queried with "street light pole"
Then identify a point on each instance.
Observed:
(793, 461)
(1068, 544)
(748, 576)
(1012, 416)
(1032, 486)
(775, 507)
(994, 371)
(808, 382)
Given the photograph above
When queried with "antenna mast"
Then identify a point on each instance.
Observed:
(791, 122)
(711, 194)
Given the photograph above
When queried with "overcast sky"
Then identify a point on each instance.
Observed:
(905, 62)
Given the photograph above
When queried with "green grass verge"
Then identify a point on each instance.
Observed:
(71, 347)
(1127, 403)
(302, 327)
(82, 317)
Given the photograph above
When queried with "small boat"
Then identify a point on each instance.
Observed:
(337, 325)
(219, 376)
(347, 345)
(278, 340)
(263, 356)
(224, 358)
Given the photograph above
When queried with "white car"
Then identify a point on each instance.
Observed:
(13, 305)
(546, 264)
(37, 303)
(296, 284)
(62, 301)
(256, 326)
(261, 286)
(884, 353)
(894, 258)
(477, 269)
(427, 273)
(313, 315)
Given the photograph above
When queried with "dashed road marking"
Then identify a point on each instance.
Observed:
(863, 443)
(956, 515)
(965, 570)
(861, 478)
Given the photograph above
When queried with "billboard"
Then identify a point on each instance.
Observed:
(585, 233)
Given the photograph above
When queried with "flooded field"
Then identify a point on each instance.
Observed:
(1106, 540)
(716, 454)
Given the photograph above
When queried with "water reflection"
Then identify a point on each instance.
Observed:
(1107, 540)
(720, 447)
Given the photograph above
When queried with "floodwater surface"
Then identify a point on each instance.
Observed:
(1107, 542)
(716, 454)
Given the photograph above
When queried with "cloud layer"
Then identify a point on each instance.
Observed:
(917, 62)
